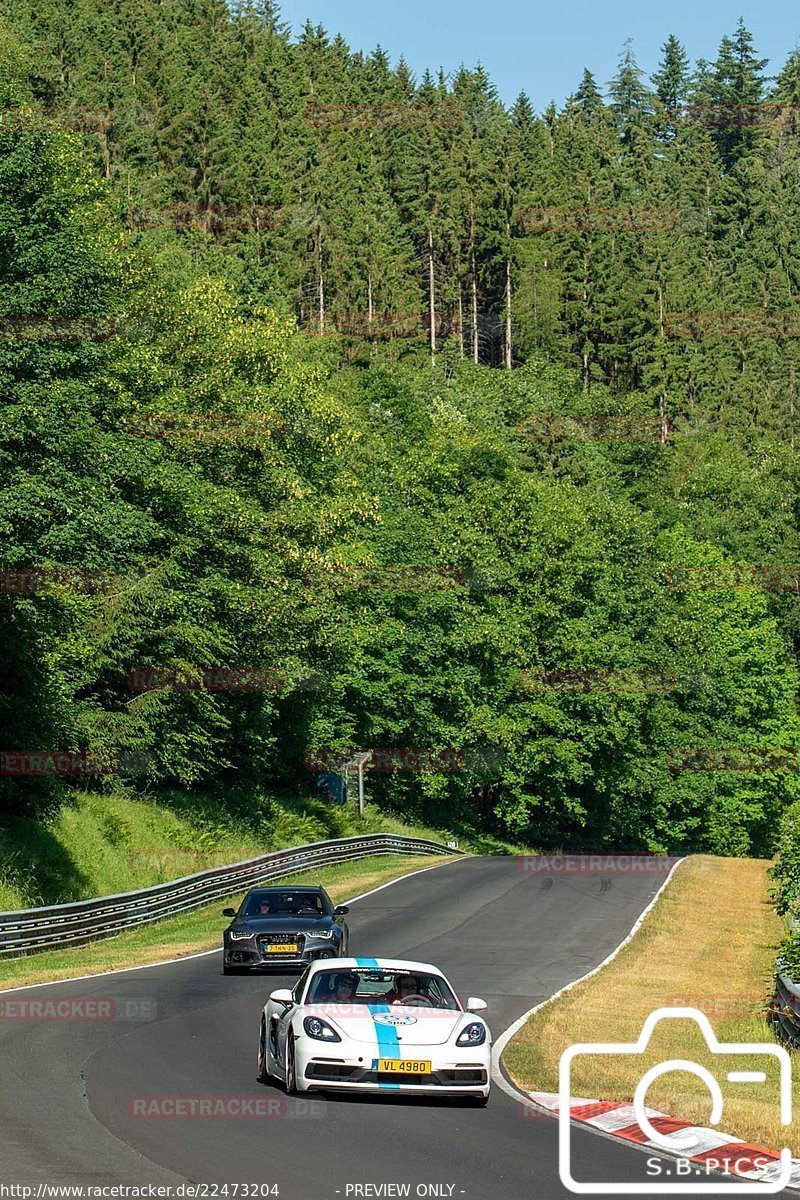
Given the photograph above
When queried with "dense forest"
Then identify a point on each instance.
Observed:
(385, 406)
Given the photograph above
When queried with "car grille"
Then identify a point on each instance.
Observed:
(264, 940)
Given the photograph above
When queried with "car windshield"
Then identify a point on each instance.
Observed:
(279, 904)
(385, 986)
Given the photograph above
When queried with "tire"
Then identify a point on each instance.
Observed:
(291, 1067)
(476, 1101)
(263, 1060)
(226, 970)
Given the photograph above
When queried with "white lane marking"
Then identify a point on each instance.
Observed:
(217, 949)
(505, 1037)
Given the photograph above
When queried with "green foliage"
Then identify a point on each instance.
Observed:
(786, 871)
(368, 454)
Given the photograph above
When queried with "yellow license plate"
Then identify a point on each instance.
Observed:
(402, 1066)
(287, 948)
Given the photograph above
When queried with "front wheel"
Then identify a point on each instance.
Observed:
(476, 1101)
(226, 970)
(263, 1068)
(291, 1067)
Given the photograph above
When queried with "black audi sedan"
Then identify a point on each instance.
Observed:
(283, 926)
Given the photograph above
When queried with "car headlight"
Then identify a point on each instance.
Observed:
(473, 1034)
(323, 933)
(239, 937)
(315, 1027)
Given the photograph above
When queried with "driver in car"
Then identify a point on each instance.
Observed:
(345, 989)
(404, 986)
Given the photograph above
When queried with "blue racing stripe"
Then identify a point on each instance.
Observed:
(388, 1042)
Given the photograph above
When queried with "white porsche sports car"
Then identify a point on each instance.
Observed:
(375, 1025)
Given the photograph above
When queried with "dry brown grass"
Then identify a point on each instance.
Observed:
(709, 944)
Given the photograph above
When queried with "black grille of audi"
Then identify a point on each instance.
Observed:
(282, 926)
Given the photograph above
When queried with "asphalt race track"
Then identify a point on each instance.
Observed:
(184, 1029)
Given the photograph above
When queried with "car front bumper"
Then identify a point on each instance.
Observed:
(249, 956)
(452, 1074)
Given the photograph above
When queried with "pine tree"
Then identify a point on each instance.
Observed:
(672, 82)
(588, 97)
(736, 83)
(672, 78)
(631, 99)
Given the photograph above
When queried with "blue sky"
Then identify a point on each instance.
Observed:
(540, 48)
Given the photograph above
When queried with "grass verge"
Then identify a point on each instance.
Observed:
(709, 943)
(200, 929)
(100, 843)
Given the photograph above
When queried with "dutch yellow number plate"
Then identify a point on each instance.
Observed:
(287, 948)
(403, 1066)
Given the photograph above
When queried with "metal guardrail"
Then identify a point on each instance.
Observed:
(61, 925)
(785, 1012)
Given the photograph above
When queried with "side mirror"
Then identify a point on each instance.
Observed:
(475, 1004)
(340, 910)
(229, 912)
(282, 996)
